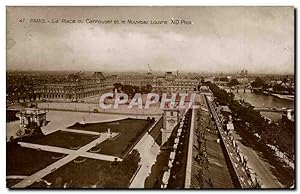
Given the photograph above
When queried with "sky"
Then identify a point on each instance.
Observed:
(219, 39)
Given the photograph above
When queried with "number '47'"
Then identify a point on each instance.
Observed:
(22, 20)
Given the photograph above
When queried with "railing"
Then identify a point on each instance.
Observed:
(244, 180)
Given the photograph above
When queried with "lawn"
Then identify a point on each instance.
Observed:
(130, 131)
(79, 174)
(63, 139)
(12, 182)
(97, 173)
(26, 161)
(115, 126)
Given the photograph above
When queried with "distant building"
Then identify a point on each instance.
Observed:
(169, 76)
(74, 88)
(149, 78)
(99, 75)
(166, 83)
(114, 78)
(242, 77)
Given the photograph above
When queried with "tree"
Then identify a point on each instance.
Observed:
(279, 88)
(233, 82)
(58, 183)
(117, 86)
(203, 80)
(285, 80)
(37, 131)
(129, 90)
(258, 82)
(149, 88)
(224, 79)
(20, 133)
(143, 89)
(216, 79)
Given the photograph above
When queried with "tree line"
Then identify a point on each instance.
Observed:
(131, 90)
(257, 132)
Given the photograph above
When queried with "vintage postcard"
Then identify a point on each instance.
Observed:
(153, 97)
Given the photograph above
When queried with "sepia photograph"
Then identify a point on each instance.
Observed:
(150, 97)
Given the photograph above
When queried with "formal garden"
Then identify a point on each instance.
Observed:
(130, 131)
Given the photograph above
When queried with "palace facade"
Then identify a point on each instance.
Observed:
(167, 83)
(77, 88)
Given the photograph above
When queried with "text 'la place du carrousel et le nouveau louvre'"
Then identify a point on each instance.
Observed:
(108, 21)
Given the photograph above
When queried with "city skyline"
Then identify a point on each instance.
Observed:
(162, 71)
(222, 39)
